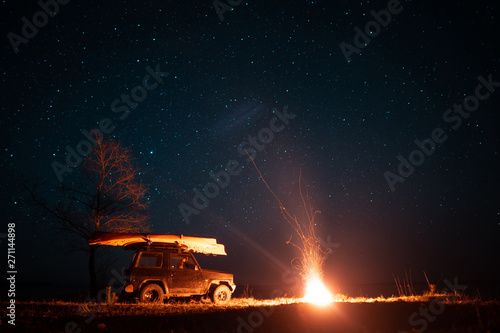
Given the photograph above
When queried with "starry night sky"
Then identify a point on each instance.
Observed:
(352, 120)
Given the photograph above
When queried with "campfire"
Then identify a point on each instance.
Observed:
(316, 291)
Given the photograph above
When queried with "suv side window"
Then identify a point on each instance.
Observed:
(149, 259)
(182, 262)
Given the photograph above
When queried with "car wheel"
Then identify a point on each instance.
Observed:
(222, 295)
(152, 293)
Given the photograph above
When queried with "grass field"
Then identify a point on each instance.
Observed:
(397, 314)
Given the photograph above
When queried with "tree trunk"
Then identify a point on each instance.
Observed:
(92, 275)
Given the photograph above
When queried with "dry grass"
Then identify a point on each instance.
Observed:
(60, 309)
(187, 316)
(186, 306)
(446, 298)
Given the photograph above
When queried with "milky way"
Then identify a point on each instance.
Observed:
(184, 84)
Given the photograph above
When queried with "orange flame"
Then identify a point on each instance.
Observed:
(316, 292)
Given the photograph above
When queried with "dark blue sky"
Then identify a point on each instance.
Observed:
(352, 121)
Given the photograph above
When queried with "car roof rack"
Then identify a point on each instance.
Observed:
(134, 240)
(156, 246)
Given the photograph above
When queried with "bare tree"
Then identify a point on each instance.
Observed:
(105, 196)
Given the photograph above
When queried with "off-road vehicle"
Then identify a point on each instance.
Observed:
(164, 266)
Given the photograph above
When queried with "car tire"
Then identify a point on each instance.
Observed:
(152, 293)
(221, 295)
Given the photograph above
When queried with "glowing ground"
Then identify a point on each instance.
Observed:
(246, 315)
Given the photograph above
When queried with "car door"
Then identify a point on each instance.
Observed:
(185, 274)
(148, 266)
